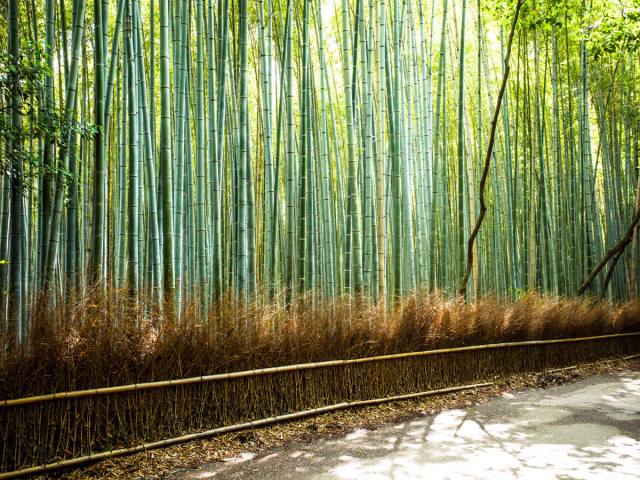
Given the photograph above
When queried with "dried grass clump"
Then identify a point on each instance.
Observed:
(104, 339)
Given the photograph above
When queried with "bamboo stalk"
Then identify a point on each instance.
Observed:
(360, 188)
(290, 368)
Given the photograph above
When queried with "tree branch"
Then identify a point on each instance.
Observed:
(487, 160)
(615, 253)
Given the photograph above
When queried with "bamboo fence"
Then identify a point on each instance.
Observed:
(64, 429)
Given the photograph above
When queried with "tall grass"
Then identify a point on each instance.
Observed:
(101, 340)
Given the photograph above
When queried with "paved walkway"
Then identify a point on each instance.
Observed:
(586, 430)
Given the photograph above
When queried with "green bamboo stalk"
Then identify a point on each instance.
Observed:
(16, 296)
(242, 257)
(97, 258)
(63, 154)
(353, 255)
(133, 219)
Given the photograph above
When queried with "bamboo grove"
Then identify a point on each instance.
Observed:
(266, 149)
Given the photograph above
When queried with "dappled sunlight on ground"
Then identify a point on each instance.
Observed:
(460, 447)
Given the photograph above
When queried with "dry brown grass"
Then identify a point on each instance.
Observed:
(101, 339)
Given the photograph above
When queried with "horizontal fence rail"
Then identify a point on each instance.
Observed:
(287, 368)
(64, 429)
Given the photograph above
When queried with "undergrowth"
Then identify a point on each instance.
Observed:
(102, 340)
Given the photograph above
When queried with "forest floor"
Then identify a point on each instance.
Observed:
(205, 458)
